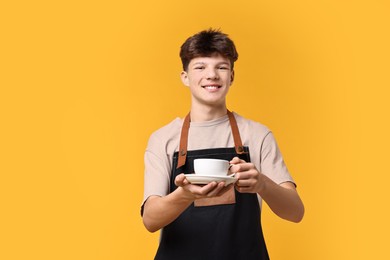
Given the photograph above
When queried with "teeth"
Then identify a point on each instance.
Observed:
(211, 87)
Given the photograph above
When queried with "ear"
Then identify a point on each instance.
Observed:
(184, 78)
(232, 77)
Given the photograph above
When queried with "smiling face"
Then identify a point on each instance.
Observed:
(209, 80)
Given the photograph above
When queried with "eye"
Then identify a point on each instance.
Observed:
(223, 68)
(199, 68)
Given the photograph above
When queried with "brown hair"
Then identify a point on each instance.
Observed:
(208, 43)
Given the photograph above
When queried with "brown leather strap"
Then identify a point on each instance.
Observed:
(184, 138)
(236, 133)
(183, 141)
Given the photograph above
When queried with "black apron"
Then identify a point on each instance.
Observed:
(221, 231)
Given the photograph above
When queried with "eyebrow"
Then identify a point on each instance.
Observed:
(203, 63)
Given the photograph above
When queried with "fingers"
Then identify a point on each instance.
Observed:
(236, 160)
(248, 179)
(181, 180)
(246, 175)
(244, 189)
(211, 190)
(242, 183)
(241, 166)
(245, 186)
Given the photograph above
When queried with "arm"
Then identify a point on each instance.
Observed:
(283, 199)
(160, 211)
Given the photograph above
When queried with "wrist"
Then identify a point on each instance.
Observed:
(184, 196)
(262, 184)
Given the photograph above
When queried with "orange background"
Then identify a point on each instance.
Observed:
(84, 84)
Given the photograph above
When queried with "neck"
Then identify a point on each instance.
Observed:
(206, 113)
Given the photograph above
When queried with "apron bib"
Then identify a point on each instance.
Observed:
(223, 228)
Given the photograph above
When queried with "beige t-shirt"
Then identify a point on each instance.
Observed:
(163, 143)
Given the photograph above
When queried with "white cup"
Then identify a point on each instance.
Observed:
(211, 167)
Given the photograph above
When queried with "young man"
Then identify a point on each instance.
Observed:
(213, 221)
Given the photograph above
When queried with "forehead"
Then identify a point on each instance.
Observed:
(214, 59)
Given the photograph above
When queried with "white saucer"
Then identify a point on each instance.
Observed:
(204, 179)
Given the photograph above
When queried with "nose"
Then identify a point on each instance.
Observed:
(212, 74)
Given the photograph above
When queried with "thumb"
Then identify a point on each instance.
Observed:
(179, 180)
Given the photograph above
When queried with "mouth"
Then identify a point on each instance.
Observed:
(212, 87)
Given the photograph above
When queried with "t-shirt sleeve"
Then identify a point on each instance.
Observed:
(156, 176)
(272, 163)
